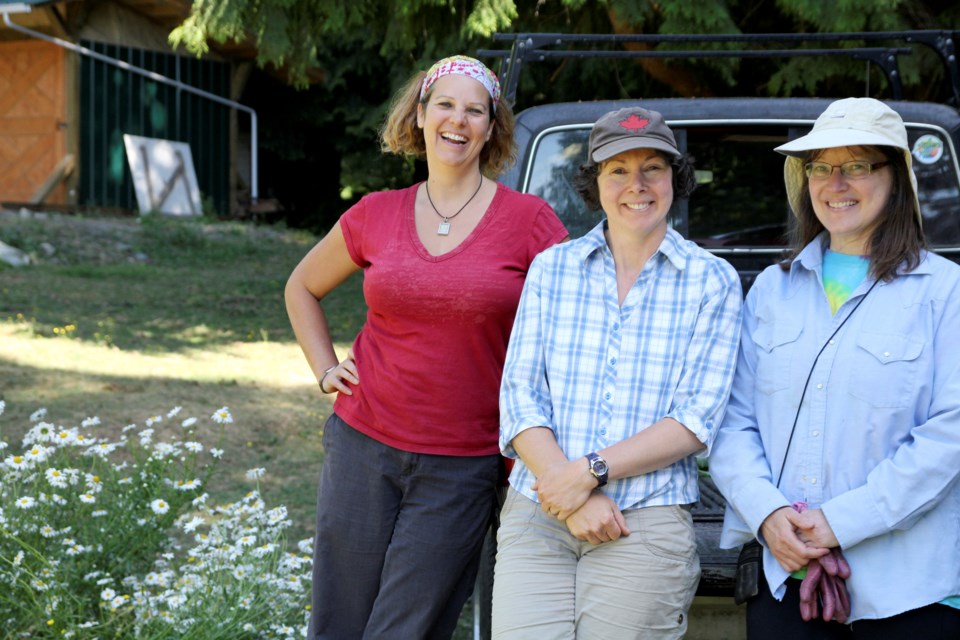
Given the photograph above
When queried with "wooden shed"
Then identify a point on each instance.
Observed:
(64, 109)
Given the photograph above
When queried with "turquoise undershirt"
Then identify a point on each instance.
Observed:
(842, 274)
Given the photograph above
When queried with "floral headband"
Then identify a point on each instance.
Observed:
(463, 66)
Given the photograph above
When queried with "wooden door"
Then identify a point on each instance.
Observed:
(32, 118)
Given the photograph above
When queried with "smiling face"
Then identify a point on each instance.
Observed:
(456, 121)
(850, 208)
(636, 192)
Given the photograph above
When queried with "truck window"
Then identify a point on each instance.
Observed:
(740, 200)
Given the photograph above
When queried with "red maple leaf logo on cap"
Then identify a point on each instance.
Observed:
(634, 122)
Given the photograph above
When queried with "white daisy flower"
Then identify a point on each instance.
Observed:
(222, 416)
(187, 485)
(3, 405)
(174, 411)
(216, 453)
(159, 506)
(90, 422)
(153, 420)
(18, 559)
(193, 523)
(108, 594)
(16, 462)
(88, 498)
(47, 531)
(36, 453)
(99, 513)
(56, 478)
(94, 483)
(163, 449)
(39, 413)
(189, 422)
(66, 436)
(253, 474)
(25, 502)
(101, 450)
(193, 447)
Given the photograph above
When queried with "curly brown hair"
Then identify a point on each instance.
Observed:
(585, 180)
(401, 135)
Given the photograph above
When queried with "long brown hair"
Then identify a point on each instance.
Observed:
(401, 134)
(897, 238)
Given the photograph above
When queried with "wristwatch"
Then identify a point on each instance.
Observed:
(598, 468)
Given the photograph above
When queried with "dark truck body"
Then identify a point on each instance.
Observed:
(739, 210)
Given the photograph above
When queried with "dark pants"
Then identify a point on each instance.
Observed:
(768, 619)
(398, 538)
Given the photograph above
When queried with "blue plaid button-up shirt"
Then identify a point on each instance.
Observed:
(596, 372)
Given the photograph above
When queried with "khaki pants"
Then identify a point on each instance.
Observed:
(550, 586)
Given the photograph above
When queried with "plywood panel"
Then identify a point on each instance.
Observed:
(32, 117)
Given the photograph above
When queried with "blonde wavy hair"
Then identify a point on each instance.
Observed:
(401, 135)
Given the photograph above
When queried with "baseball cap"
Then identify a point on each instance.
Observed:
(627, 129)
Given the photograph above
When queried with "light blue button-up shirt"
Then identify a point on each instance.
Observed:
(877, 442)
(597, 372)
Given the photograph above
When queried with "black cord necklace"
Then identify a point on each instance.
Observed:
(444, 228)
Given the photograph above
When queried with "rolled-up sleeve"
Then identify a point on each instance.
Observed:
(701, 397)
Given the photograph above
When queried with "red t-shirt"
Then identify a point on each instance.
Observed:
(431, 352)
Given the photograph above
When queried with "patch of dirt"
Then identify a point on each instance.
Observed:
(55, 238)
(52, 238)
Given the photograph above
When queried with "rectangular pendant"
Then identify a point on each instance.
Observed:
(443, 229)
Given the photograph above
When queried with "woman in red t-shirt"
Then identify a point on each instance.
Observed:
(411, 450)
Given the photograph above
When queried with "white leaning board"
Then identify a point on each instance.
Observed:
(163, 175)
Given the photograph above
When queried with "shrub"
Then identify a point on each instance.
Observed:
(107, 533)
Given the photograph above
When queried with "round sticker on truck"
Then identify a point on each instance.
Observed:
(928, 149)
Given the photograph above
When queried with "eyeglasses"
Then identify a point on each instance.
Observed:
(853, 169)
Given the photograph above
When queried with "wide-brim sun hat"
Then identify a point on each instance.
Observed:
(850, 122)
(629, 129)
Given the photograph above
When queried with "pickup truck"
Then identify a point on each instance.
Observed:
(739, 209)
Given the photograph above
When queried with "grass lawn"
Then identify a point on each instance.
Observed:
(123, 320)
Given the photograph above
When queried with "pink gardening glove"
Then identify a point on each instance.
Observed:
(825, 582)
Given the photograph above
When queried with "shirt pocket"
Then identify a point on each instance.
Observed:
(775, 348)
(883, 368)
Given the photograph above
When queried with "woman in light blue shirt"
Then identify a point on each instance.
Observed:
(842, 436)
(617, 373)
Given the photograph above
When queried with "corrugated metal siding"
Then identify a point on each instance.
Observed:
(115, 102)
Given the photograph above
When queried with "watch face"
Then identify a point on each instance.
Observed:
(599, 467)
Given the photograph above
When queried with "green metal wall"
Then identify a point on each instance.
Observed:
(115, 102)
